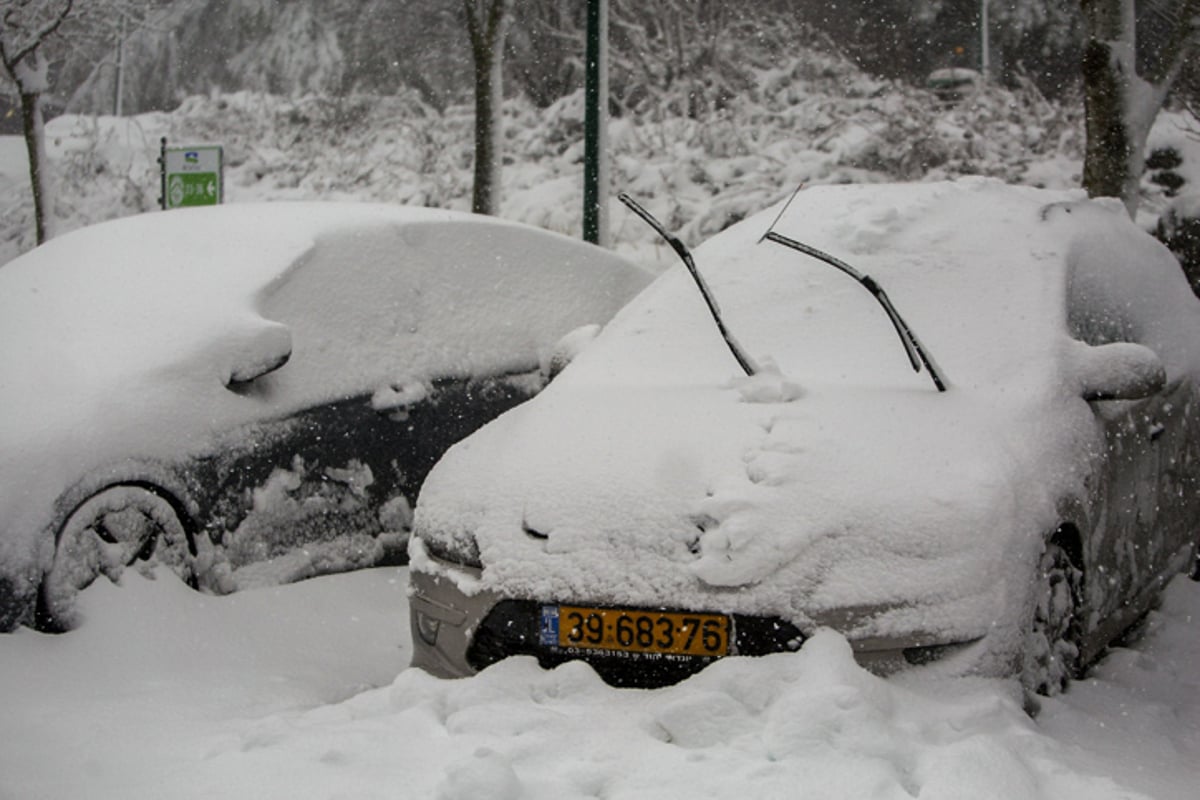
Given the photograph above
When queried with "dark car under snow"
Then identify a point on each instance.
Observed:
(252, 394)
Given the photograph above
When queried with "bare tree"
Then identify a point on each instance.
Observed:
(29, 30)
(1125, 88)
(27, 25)
(487, 23)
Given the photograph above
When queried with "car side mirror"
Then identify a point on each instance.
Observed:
(566, 349)
(1119, 371)
(251, 353)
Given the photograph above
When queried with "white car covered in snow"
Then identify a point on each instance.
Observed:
(657, 507)
(253, 393)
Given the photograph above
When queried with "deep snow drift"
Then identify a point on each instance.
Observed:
(300, 692)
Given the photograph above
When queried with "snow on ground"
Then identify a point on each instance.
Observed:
(301, 692)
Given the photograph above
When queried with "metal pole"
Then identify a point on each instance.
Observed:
(595, 125)
(983, 33)
(119, 89)
(162, 173)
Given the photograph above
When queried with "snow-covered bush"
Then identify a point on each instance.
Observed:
(809, 117)
(1179, 229)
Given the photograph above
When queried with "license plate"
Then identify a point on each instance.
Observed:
(628, 630)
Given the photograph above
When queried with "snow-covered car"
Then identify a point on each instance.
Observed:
(657, 508)
(951, 84)
(253, 393)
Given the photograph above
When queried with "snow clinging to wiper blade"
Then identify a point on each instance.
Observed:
(917, 354)
(744, 360)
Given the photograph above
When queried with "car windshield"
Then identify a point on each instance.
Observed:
(741, 356)
(917, 354)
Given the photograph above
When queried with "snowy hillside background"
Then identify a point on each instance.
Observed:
(815, 119)
(718, 110)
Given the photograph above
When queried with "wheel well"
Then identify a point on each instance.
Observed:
(190, 529)
(46, 620)
(1067, 537)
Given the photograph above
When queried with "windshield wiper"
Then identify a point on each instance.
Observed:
(744, 361)
(917, 354)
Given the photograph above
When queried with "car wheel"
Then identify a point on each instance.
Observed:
(1051, 658)
(114, 529)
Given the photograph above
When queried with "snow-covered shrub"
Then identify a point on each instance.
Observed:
(1179, 229)
(806, 116)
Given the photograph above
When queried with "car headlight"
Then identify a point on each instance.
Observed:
(427, 628)
(461, 550)
(928, 654)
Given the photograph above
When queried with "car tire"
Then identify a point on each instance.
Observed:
(1052, 654)
(111, 530)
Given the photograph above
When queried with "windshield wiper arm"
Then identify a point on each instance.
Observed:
(917, 354)
(744, 361)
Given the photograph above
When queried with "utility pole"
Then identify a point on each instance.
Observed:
(595, 126)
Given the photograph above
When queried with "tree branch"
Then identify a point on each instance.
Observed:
(1185, 33)
(37, 38)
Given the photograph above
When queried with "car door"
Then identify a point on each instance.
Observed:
(406, 336)
(330, 488)
(1126, 546)
(355, 418)
(1145, 506)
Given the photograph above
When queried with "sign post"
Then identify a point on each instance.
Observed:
(595, 124)
(191, 176)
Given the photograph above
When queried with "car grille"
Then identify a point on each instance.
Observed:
(511, 628)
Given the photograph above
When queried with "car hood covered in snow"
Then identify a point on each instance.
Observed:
(837, 484)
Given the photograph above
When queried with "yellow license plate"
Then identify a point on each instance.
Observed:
(630, 630)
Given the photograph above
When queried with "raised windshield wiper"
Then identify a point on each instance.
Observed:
(744, 361)
(917, 354)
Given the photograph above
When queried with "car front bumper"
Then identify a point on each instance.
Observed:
(459, 630)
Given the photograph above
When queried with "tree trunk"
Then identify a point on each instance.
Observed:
(1112, 158)
(1120, 104)
(1110, 153)
(35, 144)
(26, 26)
(487, 26)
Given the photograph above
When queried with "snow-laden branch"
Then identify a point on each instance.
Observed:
(30, 42)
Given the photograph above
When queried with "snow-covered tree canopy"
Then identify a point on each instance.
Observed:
(684, 48)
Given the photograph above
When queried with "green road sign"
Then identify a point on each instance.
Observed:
(192, 176)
